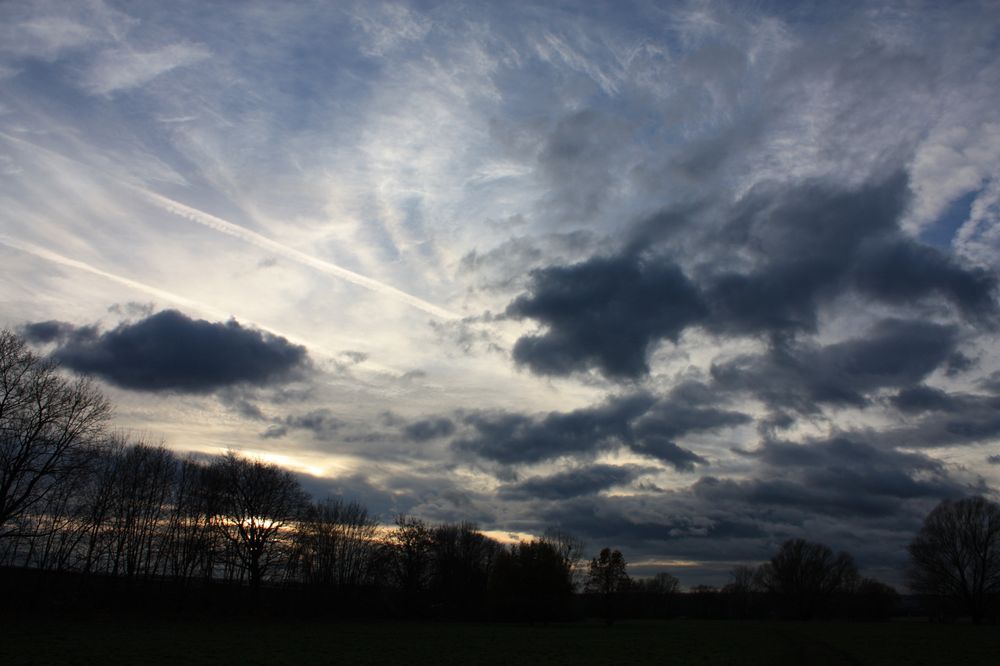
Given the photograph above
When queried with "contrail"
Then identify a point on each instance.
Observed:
(48, 255)
(244, 234)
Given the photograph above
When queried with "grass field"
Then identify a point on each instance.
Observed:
(118, 640)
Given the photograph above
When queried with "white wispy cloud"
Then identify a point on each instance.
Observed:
(122, 68)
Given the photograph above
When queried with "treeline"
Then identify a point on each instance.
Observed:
(137, 523)
(801, 581)
(145, 518)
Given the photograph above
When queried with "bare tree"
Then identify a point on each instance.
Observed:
(873, 600)
(571, 549)
(337, 539)
(409, 556)
(143, 482)
(805, 575)
(742, 588)
(257, 502)
(654, 596)
(47, 424)
(607, 578)
(956, 554)
(192, 539)
(462, 559)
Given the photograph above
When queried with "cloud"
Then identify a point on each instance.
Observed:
(606, 313)
(573, 483)
(946, 419)
(320, 422)
(427, 429)
(797, 244)
(515, 438)
(803, 376)
(581, 158)
(121, 69)
(919, 399)
(689, 408)
(838, 477)
(782, 256)
(49, 331)
(168, 351)
(901, 271)
(639, 422)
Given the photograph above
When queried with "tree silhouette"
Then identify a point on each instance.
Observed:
(48, 426)
(743, 586)
(533, 579)
(257, 501)
(409, 557)
(607, 578)
(462, 560)
(336, 539)
(804, 576)
(956, 554)
(873, 600)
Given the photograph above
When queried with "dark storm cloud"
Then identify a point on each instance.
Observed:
(169, 351)
(422, 491)
(801, 496)
(669, 525)
(357, 488)
(48, 331)
(664, 449)
(427, 429)
(801, 376)
(516, 438)
(274, 431)
(320, 422)
(954, 419)
(605, 313)
(901, 271)
(918, 399)
(799, 243)
(959, 363)
(641, 422)
(782, 254)
(689, 408)
(243, 400)
(573, 483)
(844, 476)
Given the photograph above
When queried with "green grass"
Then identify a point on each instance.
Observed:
(138, 640)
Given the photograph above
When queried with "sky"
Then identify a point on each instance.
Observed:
(685, 279)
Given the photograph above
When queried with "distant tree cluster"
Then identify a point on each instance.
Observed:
(140, 514)
(81, 501)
